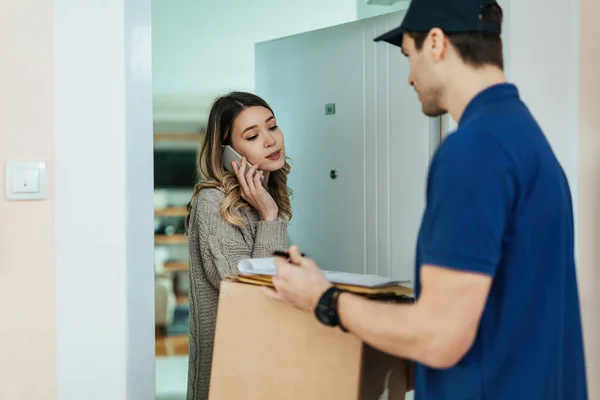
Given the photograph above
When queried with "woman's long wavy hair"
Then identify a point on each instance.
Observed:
(211, 173)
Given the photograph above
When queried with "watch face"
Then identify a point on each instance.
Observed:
(326, 315)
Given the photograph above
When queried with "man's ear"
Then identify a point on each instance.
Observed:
(437, 43)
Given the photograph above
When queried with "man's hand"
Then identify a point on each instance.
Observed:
(298, 281)
(437, 330)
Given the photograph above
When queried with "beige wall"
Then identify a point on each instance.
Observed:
(27, 266)
(588, 232)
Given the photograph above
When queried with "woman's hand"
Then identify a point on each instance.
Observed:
(254, 192)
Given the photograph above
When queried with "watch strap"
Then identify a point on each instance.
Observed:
(334, 306)
(329, 302)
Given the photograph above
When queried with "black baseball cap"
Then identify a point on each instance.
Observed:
(451, 16)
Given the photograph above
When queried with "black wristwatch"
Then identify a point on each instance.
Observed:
(326, 309)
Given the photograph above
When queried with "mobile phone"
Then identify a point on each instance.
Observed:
(229, 156)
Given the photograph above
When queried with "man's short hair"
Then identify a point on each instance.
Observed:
(477, 49)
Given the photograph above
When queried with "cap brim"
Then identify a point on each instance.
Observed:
(392, 37)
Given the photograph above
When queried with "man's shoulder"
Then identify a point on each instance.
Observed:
(471, 159)
(507, 125)
(471, 144)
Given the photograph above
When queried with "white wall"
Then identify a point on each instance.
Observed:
(379, 141)
(205, 48)
(364, 10)
(543, 63)
(104, 207)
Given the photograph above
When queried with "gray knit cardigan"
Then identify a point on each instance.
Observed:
(215, 247)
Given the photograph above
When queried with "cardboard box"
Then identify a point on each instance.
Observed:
(267, 350)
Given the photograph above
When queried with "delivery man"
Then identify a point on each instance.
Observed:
(497, 314)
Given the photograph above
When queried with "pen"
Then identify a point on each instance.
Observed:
(284, 254)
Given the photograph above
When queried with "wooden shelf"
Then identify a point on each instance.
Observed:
(168, 346)
(183, 299)
(176, 266)
(166, 240)
(177, 137)
(171, 212)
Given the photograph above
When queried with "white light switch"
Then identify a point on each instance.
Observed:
(25, 181)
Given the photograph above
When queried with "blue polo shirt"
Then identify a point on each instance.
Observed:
(498, 203)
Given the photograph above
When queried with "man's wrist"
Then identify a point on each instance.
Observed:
(342, 297)
(326, 307)
(318, 295)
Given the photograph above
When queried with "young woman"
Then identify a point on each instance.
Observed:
(232, 216)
